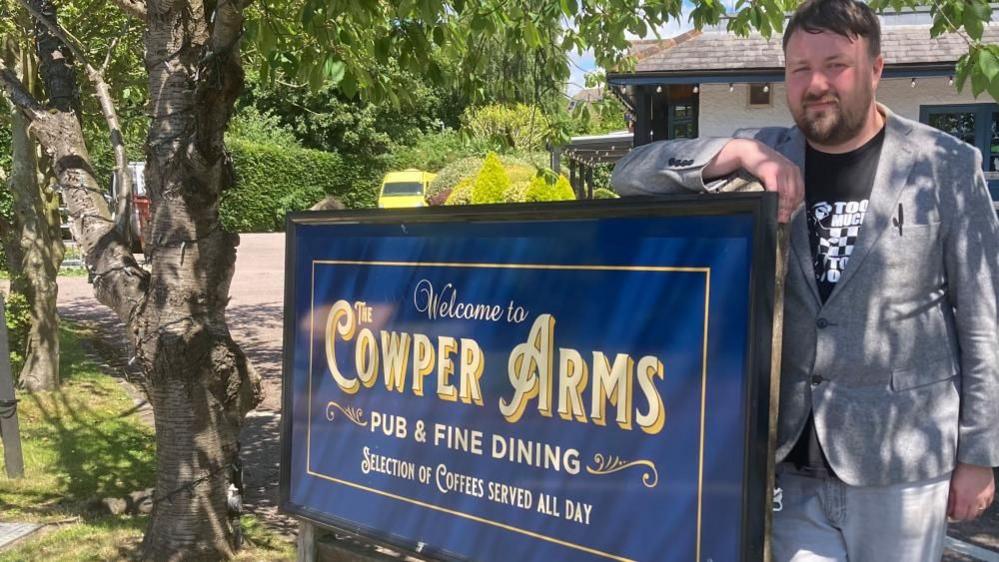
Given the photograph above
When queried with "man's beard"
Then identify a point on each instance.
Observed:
(836, 124)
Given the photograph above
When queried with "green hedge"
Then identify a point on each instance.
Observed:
(274, 180)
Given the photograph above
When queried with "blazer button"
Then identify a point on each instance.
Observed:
(822, 323)
(817, 379)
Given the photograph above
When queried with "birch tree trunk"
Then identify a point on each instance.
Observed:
(199, 381)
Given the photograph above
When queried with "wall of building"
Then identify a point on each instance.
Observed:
(722, 112)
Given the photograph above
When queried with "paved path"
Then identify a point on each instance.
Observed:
(255, 318)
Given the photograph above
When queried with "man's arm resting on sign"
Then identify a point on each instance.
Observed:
(703, 165)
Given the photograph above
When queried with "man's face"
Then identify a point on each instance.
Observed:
(830, 82)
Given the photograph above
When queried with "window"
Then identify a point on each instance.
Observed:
(759, 95)
(976, 124)
(682, 112)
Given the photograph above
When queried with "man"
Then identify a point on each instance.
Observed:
(889, 406)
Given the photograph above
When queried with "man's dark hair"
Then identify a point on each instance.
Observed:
(849, 18)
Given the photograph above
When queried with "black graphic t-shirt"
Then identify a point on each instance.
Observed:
(837, 192)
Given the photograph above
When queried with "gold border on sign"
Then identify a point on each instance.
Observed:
(660, 269)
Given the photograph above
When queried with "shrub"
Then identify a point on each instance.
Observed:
(604, 193)
(542, 189)
(448, 177)
(517, 192)
(431, 152)
(249, 124)
(274, 180)
(439, 190)
(462, 193)
(518, 127)
(491, 182)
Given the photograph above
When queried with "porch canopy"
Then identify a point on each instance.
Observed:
(585, 152)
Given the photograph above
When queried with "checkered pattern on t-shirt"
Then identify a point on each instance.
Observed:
(838, 241)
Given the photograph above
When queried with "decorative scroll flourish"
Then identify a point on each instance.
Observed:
(355, 415)
(609, 464)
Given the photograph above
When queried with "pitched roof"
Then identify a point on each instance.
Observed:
(910, 44)
(589, 95)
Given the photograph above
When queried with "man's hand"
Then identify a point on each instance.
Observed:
(972, 489)
(774, 171)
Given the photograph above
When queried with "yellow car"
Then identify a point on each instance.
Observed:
(404, 189)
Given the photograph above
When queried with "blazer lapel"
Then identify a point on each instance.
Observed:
(793, 147)
(892, 174)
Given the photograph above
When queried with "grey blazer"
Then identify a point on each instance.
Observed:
(901, 364)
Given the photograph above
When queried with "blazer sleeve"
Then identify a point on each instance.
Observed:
(675, 166)
(971, 253)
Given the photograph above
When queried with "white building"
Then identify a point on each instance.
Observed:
(711, 83)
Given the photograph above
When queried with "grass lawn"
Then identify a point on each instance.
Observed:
(84, 442)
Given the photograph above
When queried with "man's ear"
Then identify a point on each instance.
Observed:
(878, 66)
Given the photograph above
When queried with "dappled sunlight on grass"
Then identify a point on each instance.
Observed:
(82, 443)
(78, 445)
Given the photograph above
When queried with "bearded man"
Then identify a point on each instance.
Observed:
(889, 406)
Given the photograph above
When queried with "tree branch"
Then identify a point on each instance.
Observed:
(134, 8)
(123, 180)
(17, 93)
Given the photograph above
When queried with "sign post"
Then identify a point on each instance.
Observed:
(584, 381)
(9, 432)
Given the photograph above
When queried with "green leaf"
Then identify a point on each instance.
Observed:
(963, 69)
(973, 20)
(531, 35)
(981, 10)
(978, 81)
(266, 39)
(316, 78)
(569, 8)
(776, 18)
(348, 86)
(989, 65)
(334, 70)
(439, 36)
(994, 89)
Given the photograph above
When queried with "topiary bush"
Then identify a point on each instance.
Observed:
(517, 192)
(273, 180)
(491, 182)
(542, 188)
(439, 191)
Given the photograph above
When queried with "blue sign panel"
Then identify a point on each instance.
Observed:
(566, 383)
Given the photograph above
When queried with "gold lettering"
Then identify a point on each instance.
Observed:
(446, 346)
(340, 321)
(423, 361)
(395, 359)
(530, 368)
(573, 376)
(652, 421)
(472, 364)
(612, 383)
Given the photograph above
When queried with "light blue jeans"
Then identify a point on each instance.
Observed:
(825, 520)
